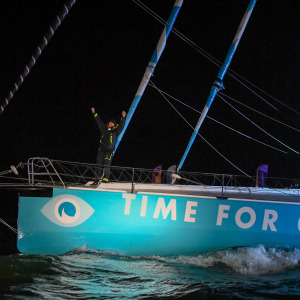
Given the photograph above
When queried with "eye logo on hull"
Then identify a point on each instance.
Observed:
(67, 210)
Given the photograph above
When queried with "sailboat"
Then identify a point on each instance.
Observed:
(180, 214)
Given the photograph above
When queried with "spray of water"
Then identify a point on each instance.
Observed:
(247, 261)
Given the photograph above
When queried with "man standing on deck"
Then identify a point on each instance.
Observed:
(109, 135)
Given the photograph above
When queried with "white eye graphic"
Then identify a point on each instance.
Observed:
(67, 210)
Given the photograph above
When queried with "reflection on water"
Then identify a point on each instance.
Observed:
(242, 273)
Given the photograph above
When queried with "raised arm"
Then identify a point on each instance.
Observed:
(98, 120)
(122, 122)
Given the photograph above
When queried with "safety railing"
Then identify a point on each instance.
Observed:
(44, 171)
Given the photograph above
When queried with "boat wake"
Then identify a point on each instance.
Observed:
(248, 261)
(239, 273)
(243, 260)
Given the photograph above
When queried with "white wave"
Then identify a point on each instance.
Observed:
(246, 261)
(86, 249)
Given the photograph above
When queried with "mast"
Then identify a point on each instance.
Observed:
(218, 83)
(151, 66)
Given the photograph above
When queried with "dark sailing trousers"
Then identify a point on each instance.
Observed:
(104, 159)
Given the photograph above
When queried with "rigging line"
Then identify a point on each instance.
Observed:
(258, 126)
(200, 134)
(251, 90)
(261, 90)
(275, 189)
(230, 71)
(245, 135)
(9, 226)
(161, 91)
(60, 17)
(180, 35)
(204, 53)
(241, 133)
(258, 112)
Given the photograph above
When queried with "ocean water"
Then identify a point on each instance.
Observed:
(241, 273)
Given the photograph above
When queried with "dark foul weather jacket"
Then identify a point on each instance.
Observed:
(108, 135)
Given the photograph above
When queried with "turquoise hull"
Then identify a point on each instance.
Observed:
(151, 224)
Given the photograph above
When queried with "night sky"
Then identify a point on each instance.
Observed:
(97, 58)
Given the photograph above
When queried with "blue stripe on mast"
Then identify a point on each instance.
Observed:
(218, 84)
(152, 64)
